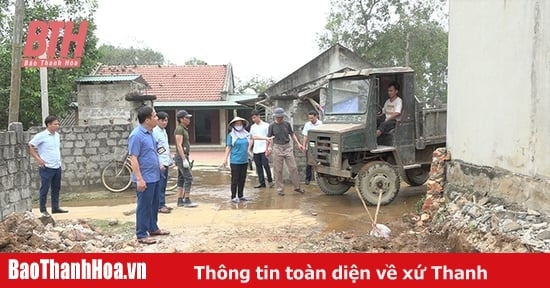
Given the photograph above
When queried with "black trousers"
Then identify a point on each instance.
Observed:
(262, 163)
(238, 179)
(309, 172)
(385, 126)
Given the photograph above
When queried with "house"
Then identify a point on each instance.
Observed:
(205, 91)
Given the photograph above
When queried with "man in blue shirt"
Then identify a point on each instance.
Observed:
(142, 148)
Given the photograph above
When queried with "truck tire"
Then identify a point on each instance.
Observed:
(417, 176)
(330, 185)
(375, 177)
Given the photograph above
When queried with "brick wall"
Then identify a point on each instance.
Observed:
(15, 175)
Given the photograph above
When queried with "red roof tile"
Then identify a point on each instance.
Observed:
(177, 83)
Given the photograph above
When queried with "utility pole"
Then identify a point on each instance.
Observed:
(17, 47)
(44, 91)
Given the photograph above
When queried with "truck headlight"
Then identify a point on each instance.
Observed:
(334, 146)
(312, 144)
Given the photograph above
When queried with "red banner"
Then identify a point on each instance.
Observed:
(266, 269)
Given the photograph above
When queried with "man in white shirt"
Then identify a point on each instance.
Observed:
(391, 113)
(163, 149)
(258, 131)
(313, 122)
(45, 147)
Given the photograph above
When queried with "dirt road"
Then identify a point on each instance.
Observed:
(268, 222)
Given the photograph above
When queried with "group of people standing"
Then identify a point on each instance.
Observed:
(150, 158)
(262, 141)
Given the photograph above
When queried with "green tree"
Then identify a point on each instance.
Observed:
(112, 55)
(257, 83)
(61, 82)
(395, 33)
(195, 61)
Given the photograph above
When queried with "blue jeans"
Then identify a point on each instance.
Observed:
(147, 210)
(162, 187)
(49, 178)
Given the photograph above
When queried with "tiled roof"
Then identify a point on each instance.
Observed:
(177, 83)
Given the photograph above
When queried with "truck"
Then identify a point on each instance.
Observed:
(345, 150)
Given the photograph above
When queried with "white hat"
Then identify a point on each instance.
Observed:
(238, 119)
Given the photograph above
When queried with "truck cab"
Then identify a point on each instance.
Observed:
(345, 150)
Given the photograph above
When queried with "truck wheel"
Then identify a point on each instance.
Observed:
(330, 185)
(417, 176)
(378, 177)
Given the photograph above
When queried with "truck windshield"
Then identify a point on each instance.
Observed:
(347, 96)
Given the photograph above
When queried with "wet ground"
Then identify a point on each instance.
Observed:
(310, 222)
(211, 190)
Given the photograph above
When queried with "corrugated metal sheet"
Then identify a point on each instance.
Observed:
(369, 71)
(205, 104)
(108, 78)
(71, 119)
(241, 97)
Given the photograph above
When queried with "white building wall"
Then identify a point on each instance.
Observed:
(499, 84)
(498, 121)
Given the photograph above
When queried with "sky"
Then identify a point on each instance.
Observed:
(258, 37)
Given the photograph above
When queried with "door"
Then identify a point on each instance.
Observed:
(206, 126)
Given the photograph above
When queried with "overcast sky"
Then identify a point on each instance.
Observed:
(263, 37)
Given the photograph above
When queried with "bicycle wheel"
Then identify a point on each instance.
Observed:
(116, 176)
(172, 178)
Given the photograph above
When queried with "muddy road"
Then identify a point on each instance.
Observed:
(268, 222)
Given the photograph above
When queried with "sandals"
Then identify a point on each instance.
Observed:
(159, 233)
(300, 190)
(164, 210)
(147, 241)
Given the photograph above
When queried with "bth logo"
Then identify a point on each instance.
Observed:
(43, 38)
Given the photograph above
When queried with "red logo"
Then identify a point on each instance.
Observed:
(43, 38)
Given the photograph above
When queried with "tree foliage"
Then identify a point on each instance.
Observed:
(395, 33)
(195, 61)
(61, 82)
(111, 55)
(257, 83)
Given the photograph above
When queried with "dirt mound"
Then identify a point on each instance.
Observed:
(27, 233)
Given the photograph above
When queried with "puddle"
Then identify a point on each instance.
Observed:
(212, 185)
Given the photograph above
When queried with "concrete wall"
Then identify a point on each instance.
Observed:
(334, 59)
(498, 102)
(85, 150)
(15, 175)
(84, 153)
(105, 104)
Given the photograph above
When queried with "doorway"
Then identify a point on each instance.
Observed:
(206, 126)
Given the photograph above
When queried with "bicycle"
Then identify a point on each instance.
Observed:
(117, 176)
